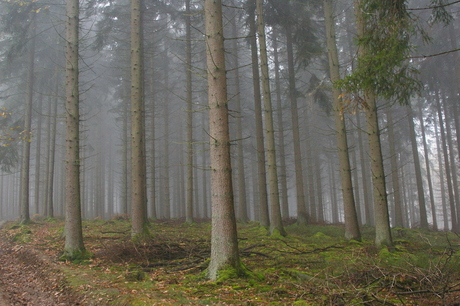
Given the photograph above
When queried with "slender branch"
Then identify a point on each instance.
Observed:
(436, 54)
(433, 7)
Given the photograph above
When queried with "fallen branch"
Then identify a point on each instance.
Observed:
(301, 252)
(426, 292)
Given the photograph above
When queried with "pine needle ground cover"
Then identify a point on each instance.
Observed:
(313, 265)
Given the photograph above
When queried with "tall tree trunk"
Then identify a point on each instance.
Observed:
(74, 246)
(179, 209)
(204, 172)
(138, 180)
(398, 221)
(450, 190)
(281, 142)
(456, 88)
(52, 149)
(404, 183)
(381, 215)
(38, 157)
(276, 224)
(355, 175)
(418, 171)
(302, 216)
(124, 156)
(319, 187)
(311, 204)
(428, 167)
(332, 186)
(224, 243)
(241, 180)
(111, 201)
(260, 147)
(189, 100)
(441, 176)
(167, 191)
(351, 218)
(27, 132)
(364, 167)
(153, 202)
(453, 161)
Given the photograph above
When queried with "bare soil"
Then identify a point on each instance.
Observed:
(30, 278)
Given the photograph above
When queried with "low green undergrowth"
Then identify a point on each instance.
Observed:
(312, 265)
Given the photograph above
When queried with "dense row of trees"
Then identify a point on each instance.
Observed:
(326, 111)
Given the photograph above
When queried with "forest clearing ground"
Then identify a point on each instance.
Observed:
(314, 265)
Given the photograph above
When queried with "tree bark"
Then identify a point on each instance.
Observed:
(189, 101)
(453, 161)
(260, 147)
(27, 132)
(49, 210)
(364, 167)
(74, 246)
(352, 231)
(418, 171)
(428, 168)
(302, 216)
(138, 180)
(166, 209)
(281, 141)
(441, 176)
(450, 189)
(381, 215)
(224, 243)
(398, 221)
(37, 193)
(153, 168)
(276, 224)
(124, 156)
(241, 180)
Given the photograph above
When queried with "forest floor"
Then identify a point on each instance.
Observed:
(313, 265)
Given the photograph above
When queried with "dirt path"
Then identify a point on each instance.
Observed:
(2, 301)
(28, 278)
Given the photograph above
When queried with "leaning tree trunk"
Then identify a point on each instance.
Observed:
(224, 243)
(351, 218)
(74, 246)
(276, 224)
